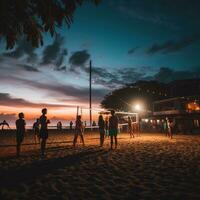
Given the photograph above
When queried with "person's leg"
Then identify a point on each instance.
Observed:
(103, 137)
(100, 137)
(132, 133)
(35, 136)
(43, 146)
(75, 139)
(111, 141)
(82, 138)
(115, 141)
(38, 137)
(171, 133)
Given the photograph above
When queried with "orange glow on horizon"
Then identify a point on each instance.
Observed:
(53, 113)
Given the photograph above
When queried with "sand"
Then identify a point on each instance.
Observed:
(147, 167)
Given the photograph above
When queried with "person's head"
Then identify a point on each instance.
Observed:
(21, 115)
(4, 121)
(37, 120)
(112, 112)
(44, 111)
(100, 117)
(79, 117)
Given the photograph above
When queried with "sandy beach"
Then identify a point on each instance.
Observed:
(147, 167)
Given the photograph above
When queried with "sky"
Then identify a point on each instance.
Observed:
(127, 41)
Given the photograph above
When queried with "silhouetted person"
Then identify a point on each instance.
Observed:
(4, 123)
(94, 123)
(70, 125)
(20, 131)
(44, 130)
(85, 123)
(36, 129)
(78, 131)
(113, 128)
(59, 125)
(106, 127)
(130, 127)
(170, 126)
(101, 124)
(165, 127)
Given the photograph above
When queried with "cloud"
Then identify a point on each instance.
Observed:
(116, 77)
(52, 51)
(68, 93)
(132, 50)
(7, 100)
(166, 74)
(172, 45)
(79, 58)
(60, 60)
(24, 48)
(28, 67)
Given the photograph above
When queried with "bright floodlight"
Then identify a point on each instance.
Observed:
(137, 107)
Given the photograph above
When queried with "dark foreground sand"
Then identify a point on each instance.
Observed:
(147, 167)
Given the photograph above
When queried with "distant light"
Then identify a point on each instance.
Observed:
(137, 107)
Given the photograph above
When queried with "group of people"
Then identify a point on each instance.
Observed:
(104, 125)
(40, 128)
(107, 127)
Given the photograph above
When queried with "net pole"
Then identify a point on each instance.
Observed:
(90, 93)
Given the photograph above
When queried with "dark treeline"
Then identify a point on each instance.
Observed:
(123, 98)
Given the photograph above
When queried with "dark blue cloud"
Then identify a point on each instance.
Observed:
(173, 45)
(52, 52)
(79, 58)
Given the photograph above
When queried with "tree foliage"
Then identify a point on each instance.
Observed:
(31, 18)
(143, 91)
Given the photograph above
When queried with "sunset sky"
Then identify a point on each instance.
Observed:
(126, 40)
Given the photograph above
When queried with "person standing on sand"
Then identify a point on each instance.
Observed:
(36, 129)
(106, 127)
(101, 124)
(44, 130)
(70, 125)
(113, 129)
(20, 131)
(170, 126)
(4, 123)
(78, 131)
(130, 127)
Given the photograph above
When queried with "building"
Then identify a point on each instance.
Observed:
(184, 111)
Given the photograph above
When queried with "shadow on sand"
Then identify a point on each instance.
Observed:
(26, 174)
(25, 144)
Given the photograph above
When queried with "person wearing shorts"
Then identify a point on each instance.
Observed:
(36, 130)
(78, 131)
(113, 129)
(101, 124)
(44, 130)
(20, 131)
(130, 127)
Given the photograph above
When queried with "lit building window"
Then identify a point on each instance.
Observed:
(193, 106)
